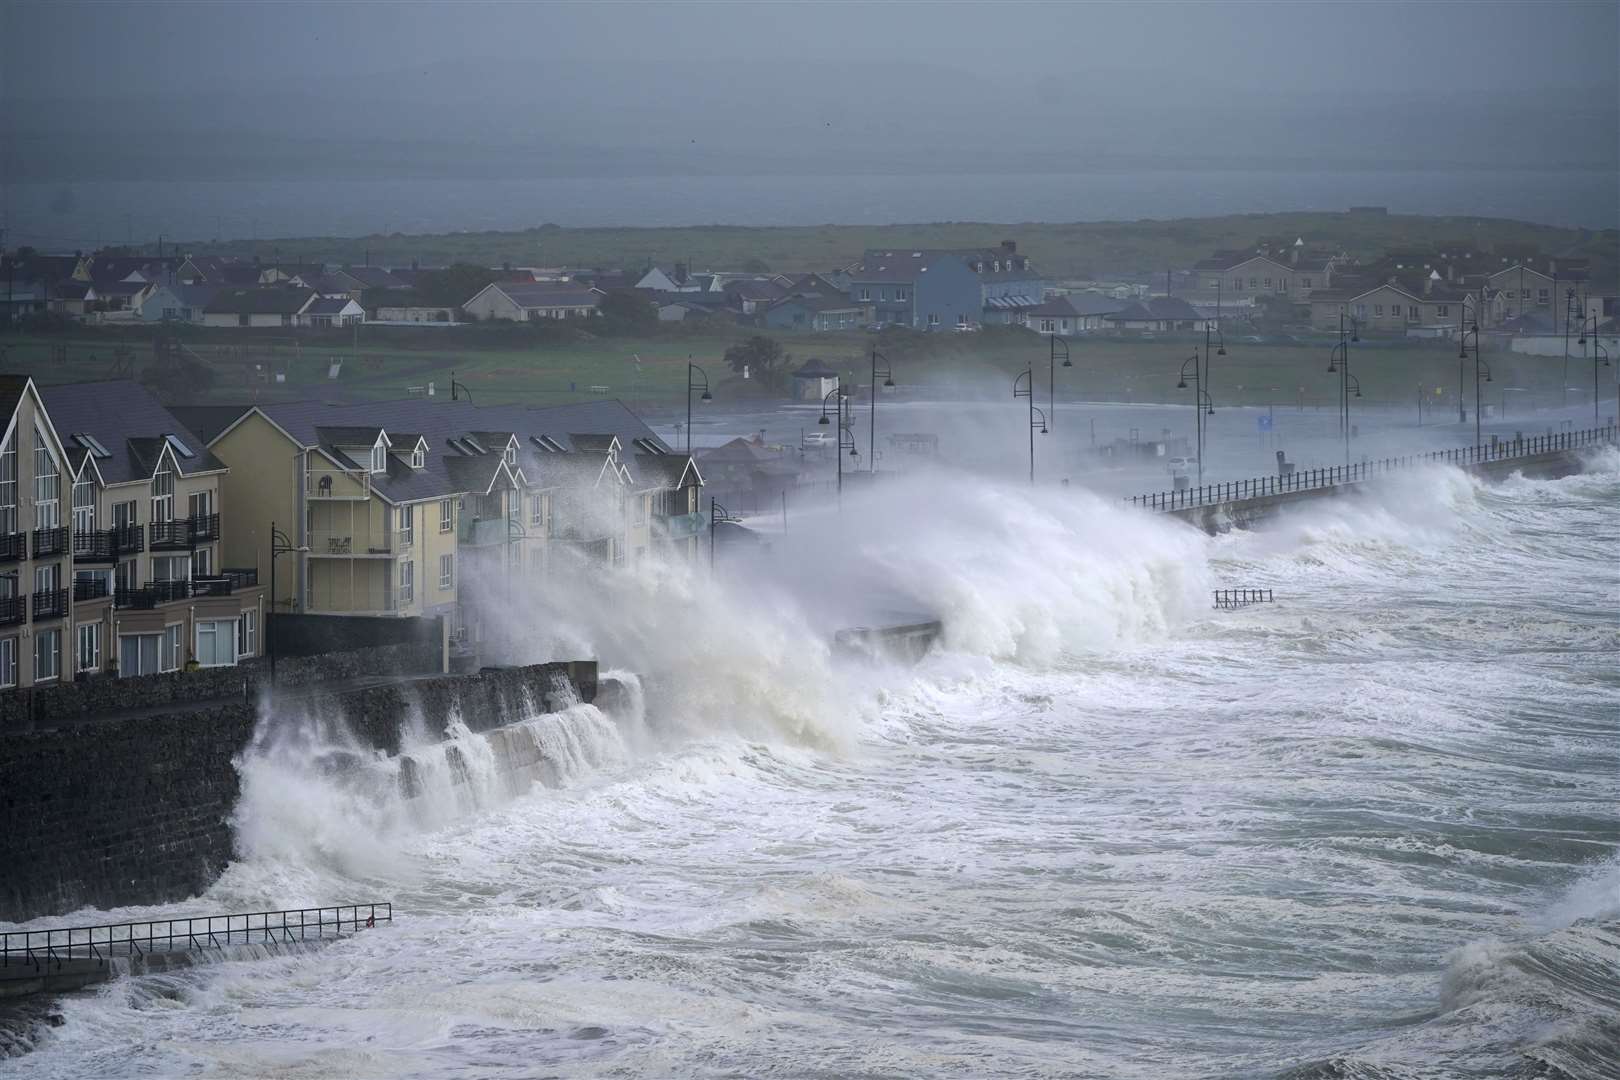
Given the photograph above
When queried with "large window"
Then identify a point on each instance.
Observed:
(407, 582)
(47, 485)
(126, 577)
(447, 515)
(216, 642)
(84, 503)
(379, 457)
(447, 571)
(8, 661)
(47, 655)
(8, 487)
(163, 493)
(407, 525)
(171, 567)
(200, 503)
(247, 633)
(89, 646)
(170, 660)
(148, 654)
(202, 563)
(124, 514)
(48, 578)
(537, 510)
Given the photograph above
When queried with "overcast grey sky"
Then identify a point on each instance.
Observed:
(682, 87)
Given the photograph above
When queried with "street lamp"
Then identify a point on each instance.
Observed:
(1051, 369)
(280, 544)
(1029, 392)
(693, 375)
(888, 381)
(1480, 366)
(1201, 402)
(1220, 343)
(1600, 355)
(1341, 355)
(846, 429)
(718, 515)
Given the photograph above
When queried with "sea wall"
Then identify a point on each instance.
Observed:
(135, 808)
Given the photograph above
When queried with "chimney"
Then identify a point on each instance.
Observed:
(1428, 282)
(1009, 246)
(680, 273)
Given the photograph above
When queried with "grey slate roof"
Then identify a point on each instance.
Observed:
(542, 294)
(269, 300)
(327, 305)
(126, 419)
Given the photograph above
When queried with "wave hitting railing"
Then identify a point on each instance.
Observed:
(1332, 476)
(38, 949)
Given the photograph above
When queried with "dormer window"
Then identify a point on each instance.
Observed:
(511, 454)
(418, 457)
(379, 457)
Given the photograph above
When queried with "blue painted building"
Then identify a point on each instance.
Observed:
(929, 289)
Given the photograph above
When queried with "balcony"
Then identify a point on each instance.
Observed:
(13, 547)
(50, 604)
(341, 546)
(127, 539)
(220, 585)
(337, 484)
(204, 528)
(94, 546)
(48, 542)
(13, 610)
(89, 588)
(681, 526)
(153, 594)
(473, 532)
(174, 535)
(134, 598)
(243, 578)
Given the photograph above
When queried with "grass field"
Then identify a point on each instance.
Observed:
(650, 374)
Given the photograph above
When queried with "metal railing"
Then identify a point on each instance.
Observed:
(127, 539)
(50, 603)
(171, 535)
(93, 545)
(203, 527)
(89, 588)
(13, 547)
(1332, 476)
(13, 610)
(1227, 599)
(37, 950)
(52, 541)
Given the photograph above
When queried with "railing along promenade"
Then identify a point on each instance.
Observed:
(25, 952)
(1335, 475)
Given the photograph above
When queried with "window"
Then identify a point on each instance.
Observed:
(247, 633)
(418, 457)
(961, 319)
(447, 515)
(1541, 296)
(1412, 313)
(202, 563)
(866, 294)
(8, 661)
(1442, 310)
(124, 514)
(8, 487)
(537, 510)
(125, 576)
(48, 578)
(84, 503)
(163, 493)
(883, 294)
(1361, 311)
(170, 658)
(510, 456)
(641, 509)
(933, 319)
(407, 525)
(171, 313)
(1524, 294)
(89, 647)
(1047, 326)
(47, 655)
(447, 571)
(200, 504)
(216, 642)
(1268, 283)
(1304, 283)
(379, 457)
(170, 567)
(1237, 283)
(244, 320)
(407, 581)
(47, 485)
(138, 654)
(1378, 310)
(286, 320)
(900, 294)
(1253, 283)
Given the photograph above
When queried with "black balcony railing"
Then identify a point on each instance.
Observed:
(172, 535)
(89, 588)
(48, 542)
(166, 591)
(204, 527)
(242, 577)
(127, 539)
(222, 585)
(13, 547)
(95, 545)
(13, 610)
(134, 598)
(50, 604)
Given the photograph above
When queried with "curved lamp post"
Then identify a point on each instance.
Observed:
(1480, 367)
(888, 381)
(718, 515)
(1600, 355)
(1203, 405)
(1028, 391)
(846, 429)
(280, 544)
(1339, 361)
(693, 375)
(1220, 343)
(1055, 343)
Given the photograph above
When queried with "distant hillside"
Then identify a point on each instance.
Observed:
(1073, 250)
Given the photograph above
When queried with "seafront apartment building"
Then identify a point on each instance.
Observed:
(110, 523)
(438, 508)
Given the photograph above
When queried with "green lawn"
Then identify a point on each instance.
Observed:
(650, 373)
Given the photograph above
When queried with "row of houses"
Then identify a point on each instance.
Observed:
(136, 539)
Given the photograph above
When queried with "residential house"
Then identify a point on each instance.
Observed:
(533, 302)
(1397, 306)
(679, 279)
(217, 270)
(416, 314)
(943, 289)
(1156, 314)
(324, 312)
(1243, 275)
(747, 475)
(819, 313)
(1072, 313)
(257, 307)
(436, 507)
(109, 538)
(174, 302)
(288, 273)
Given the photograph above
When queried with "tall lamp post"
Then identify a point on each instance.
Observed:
(1028, 378)
(1051, 369)
(1220, 343)
(280, 544)
(1600, 355)
(1201, 402)
(693, 376)
(888, 381)
(1480, 367)
(846, 429)
(718, 515)
(1341, 356)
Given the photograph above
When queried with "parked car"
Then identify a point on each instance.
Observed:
(817, 439)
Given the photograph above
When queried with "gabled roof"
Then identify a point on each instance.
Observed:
(269, 300)
(330, 305)
(667, 471)
(544, 294)
(375, 277)
(130, 423)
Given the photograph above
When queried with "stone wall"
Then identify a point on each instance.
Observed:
(411, 658)
(124, 812)
(74, 702)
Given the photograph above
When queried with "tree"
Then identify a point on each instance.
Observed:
(762, 358)
(626, 312)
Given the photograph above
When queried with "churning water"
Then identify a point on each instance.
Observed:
(1369, 831)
